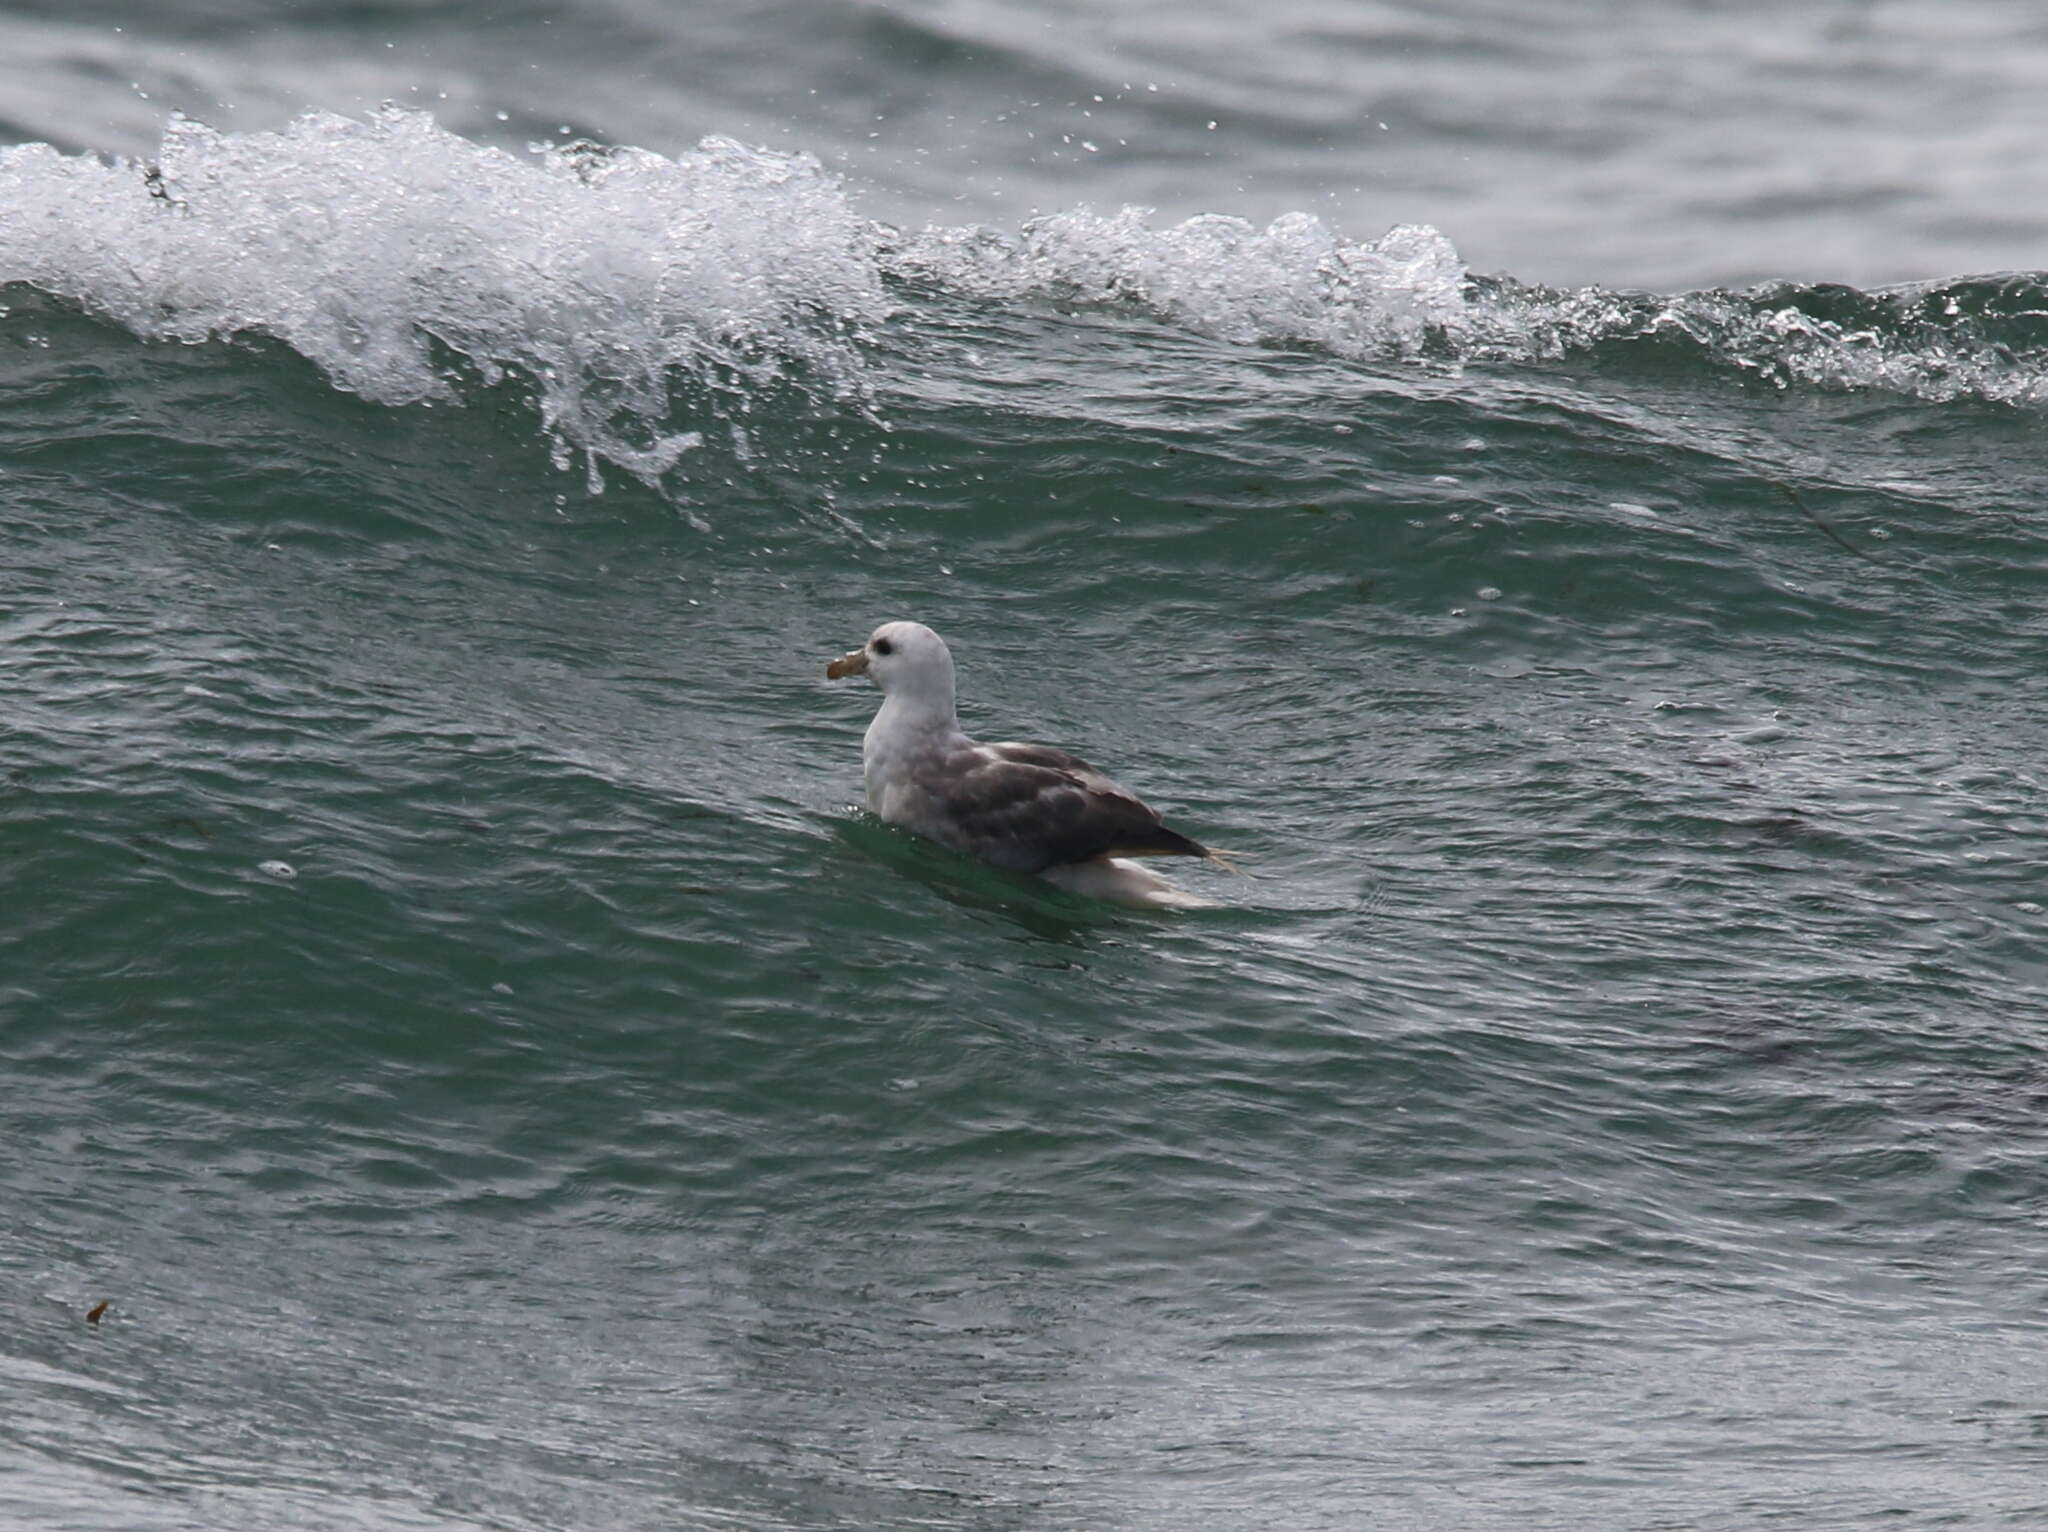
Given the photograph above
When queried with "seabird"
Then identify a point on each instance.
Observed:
(1028, 808)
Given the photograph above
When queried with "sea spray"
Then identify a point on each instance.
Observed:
(641, 300)
(631, 291)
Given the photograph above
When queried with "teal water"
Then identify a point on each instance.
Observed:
(457, 1016)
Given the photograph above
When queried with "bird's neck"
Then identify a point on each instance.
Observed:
(904, 713)
(911, 716)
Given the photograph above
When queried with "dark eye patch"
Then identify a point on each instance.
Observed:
(883, 646)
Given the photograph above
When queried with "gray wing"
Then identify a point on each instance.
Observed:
(1030, 807)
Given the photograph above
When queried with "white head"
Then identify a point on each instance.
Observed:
(907, 660)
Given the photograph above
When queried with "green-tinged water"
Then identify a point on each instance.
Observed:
(454, 1011)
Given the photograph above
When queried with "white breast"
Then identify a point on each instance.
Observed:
(896, 741)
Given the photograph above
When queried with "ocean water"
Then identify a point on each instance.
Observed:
(1559, 495)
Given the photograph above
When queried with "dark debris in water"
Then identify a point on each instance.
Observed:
(1788, 827)
(1827, 528)
(153, 182)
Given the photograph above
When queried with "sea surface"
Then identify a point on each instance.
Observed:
(1556, 490)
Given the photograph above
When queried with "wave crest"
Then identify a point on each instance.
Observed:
(1408, 296)
(645, 299)
(604, 277)
(1294, 282)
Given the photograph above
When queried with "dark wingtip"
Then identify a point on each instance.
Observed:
(1160, 841)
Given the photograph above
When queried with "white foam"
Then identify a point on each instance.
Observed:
(645, 299)
(1409, 296)
(600, 275)
(1293, 282)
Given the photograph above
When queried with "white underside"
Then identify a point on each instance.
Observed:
(1122, 881)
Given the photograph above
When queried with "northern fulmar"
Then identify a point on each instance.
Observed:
(1029, 808)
